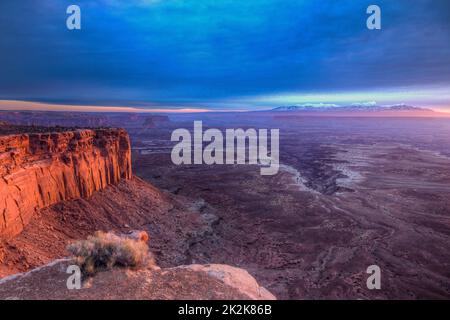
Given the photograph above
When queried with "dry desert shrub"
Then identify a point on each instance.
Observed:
(103, 251)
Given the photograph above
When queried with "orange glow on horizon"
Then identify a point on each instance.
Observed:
(16, 105)
(445, 110)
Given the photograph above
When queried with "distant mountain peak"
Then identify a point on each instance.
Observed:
(355, 107)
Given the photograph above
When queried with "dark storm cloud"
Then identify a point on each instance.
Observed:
(175, 52)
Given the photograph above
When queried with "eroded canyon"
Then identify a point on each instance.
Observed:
(350, 193)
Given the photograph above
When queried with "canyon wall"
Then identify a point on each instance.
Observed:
(41, 169)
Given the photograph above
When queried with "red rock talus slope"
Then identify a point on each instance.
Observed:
(41, 169)
(173, 223)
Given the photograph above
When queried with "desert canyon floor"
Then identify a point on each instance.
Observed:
(351, 192)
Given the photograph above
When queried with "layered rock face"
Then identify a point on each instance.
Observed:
(41, 169)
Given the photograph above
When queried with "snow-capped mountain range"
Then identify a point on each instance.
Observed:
(350, 108)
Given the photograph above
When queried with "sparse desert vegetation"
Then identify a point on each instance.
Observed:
(103, 251)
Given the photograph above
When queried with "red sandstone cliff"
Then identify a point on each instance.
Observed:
(41, 169)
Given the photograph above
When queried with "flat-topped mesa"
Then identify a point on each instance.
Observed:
(41, 169)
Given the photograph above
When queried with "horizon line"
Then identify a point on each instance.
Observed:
(23, 105)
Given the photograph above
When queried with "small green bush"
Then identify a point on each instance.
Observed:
(103, 251)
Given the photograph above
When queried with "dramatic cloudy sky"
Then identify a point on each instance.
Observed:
(220, 54)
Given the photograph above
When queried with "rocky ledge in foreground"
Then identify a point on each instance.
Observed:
(193, 282)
